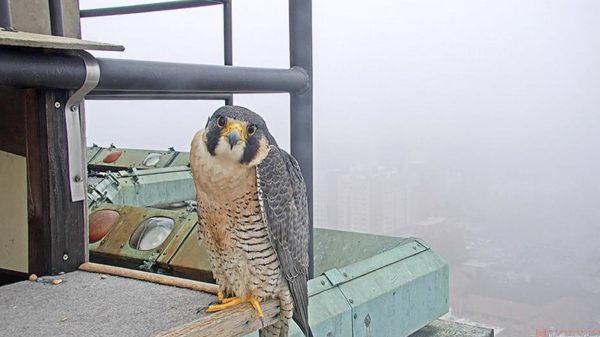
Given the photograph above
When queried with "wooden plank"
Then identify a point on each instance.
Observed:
(24, 39)
(149, 277)
(236, 321)
(57, 237)
(37, 185)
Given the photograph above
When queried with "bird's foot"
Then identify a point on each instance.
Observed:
(229, 299)
(257, 308)
(226, 303)
(222, 299)
(220, 295)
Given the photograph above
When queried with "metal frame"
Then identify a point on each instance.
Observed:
(164, 6)
(35, 69)
(146, 8)
(5, 18)
(301, 103)
(122, 79)
(56, 17)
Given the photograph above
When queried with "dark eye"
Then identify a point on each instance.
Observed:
(221, 121)
(251, 129)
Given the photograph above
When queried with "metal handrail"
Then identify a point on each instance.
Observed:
(37, 69)
(145, 8)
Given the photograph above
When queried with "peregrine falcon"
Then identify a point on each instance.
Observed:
(253, 216)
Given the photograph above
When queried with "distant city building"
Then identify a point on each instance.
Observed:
(364, 200)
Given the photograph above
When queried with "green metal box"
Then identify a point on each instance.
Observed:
(144, 187)
(382, 287)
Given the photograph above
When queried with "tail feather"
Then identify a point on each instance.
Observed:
(301, 305)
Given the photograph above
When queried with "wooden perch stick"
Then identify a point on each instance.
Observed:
(236, 321)
(149, 277)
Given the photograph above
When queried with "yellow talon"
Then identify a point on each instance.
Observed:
(228, 299)
(230, 303)
(227, 302)
(256, 306)
(220, 295)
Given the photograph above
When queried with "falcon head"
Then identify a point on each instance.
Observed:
(238, 134)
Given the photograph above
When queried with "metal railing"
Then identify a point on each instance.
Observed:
(165, 6)
(135, 79)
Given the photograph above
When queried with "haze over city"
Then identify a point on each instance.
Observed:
(472, 124)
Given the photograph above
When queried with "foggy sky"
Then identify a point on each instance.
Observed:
(506, 93)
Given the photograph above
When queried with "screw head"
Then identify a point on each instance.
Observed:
(322, 282)
(74, 108)
(65, 257)
(77, 179)
(57, 104)
(350, 301)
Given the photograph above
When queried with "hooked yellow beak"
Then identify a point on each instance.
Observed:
(234, 132)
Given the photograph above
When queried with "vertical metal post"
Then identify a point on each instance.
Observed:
(5, 19)
(301, 105)
(227, 40)
(56, 17)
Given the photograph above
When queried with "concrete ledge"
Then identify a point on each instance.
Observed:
(84, 304)
(442, 328)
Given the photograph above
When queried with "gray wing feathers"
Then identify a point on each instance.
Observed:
(284, 200)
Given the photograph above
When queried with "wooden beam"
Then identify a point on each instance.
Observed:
(57, 226)
(239, 320)
(236, 321)
(149, 277)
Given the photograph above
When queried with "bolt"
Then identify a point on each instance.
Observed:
(122, 245)
(65, 257)
(74, 108)
(355, 315)
(367, 320)
(345, 275)
(57, 104)
(322, 282)
(77, 179)
(350, 301)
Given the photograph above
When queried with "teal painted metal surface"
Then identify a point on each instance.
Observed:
(92, 152)
(334, 249)
(144, 187)
(138, 158)
(181, 159)
(398, 286)
(400, 298)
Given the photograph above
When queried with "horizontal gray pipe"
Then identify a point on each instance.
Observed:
(29, 69)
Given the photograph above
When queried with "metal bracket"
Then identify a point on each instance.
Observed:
(75, 146)
(336, 277)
